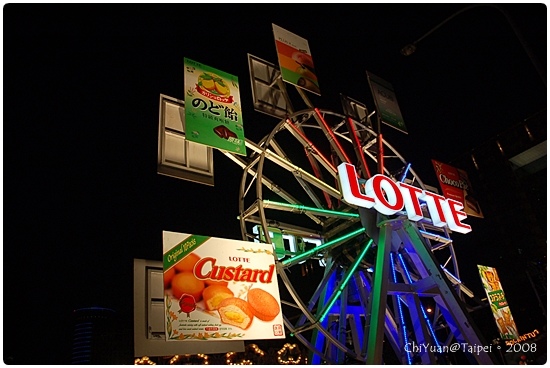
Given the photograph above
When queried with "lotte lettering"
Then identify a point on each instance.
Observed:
(388, 198)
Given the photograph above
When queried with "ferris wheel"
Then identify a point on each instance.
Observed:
(354, 283)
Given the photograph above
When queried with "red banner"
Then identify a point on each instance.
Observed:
(455, 184)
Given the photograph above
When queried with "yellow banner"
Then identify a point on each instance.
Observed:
(499, 305)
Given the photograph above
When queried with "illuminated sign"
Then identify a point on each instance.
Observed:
(389, 197)
(525, 336)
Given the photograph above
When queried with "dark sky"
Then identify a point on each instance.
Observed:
(81, 87)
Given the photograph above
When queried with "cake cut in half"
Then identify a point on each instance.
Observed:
(213, 295)
(236, 312)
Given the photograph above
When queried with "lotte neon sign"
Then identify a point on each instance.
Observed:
(388, 197)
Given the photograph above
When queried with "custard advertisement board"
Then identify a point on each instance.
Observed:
(213, 113)
(216, 289)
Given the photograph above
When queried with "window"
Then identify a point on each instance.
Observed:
(178, 157)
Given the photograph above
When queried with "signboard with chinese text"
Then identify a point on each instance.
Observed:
(499, 306)
(295, 60)
(455, 184)
(386, 103)
(213, 113)
(216, 289)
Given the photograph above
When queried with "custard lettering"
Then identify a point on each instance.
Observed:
(206, 268)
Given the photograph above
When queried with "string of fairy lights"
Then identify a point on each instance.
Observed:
(289, 354)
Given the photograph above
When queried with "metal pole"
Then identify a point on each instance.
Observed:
(379, 297)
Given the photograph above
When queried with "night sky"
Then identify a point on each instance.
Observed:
(82, 197)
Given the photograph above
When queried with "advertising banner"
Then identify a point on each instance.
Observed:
(499, 305)
(295, 60)
(386, 103)
(216, 289)
(213, 113)
(455, 184)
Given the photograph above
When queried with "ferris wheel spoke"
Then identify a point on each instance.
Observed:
(314, 157)
(270, 155)
(305, 186)
(361, 159)
(270, 184)
(310, 347)
(329, 272)
(331, 137)
(309, 147)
